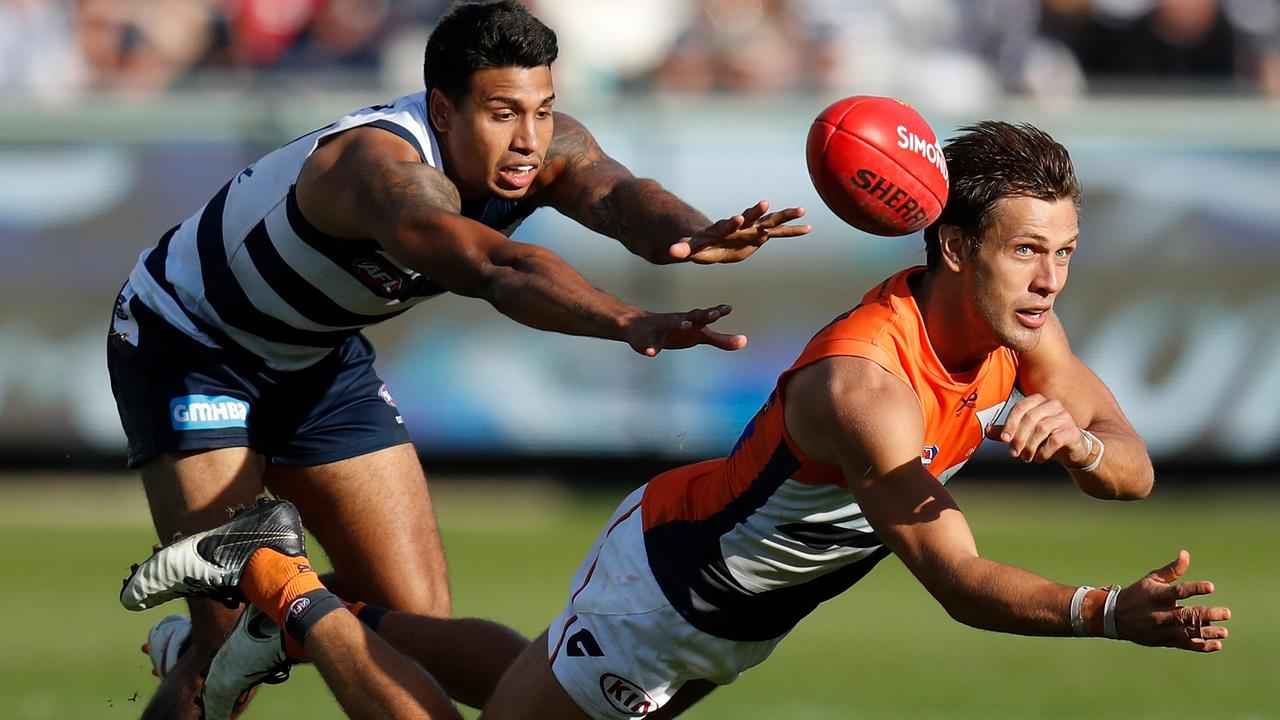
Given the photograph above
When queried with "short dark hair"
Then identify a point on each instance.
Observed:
(993, 160)
(475, 36)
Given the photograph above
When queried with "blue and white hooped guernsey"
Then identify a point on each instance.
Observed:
(249, 271)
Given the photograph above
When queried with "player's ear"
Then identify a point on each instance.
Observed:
(953, 245)
(439, 110)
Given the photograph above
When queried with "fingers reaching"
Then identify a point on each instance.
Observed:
(1191, 589)
(706, 316)
(752, 215)
(697, 320)
(1206, 646)
(723, 341)
(1174, 570)
(774, 220)
(1195, 631)
(683, 330)
(736, 238)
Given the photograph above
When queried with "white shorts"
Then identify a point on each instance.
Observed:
(619, 648)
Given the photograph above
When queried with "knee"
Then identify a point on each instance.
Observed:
(422, 600)
(418, 595)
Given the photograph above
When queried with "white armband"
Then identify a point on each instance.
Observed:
(1077, 604)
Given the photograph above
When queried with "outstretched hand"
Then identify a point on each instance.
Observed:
(1147, 612)
(653, 333)
(735, 239)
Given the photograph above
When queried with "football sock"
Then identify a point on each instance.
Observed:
(272, 581)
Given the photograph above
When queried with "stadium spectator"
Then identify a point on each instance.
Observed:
(1163, 44)
(341, 37)
(744, 47)
(971, 51)
(140, 47)
(39, 58)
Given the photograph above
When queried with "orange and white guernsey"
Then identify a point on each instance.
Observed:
(746, 546)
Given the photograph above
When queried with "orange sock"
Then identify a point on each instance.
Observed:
(272, 580)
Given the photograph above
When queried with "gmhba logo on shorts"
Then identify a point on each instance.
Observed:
(208, 412)
(625, 696)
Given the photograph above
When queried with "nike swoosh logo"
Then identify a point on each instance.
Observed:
(257, 537)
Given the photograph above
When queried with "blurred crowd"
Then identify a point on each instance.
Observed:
(959, 53)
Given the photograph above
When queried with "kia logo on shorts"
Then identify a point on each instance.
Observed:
(625, 696)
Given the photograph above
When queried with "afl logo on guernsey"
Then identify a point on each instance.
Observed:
(625, 696)
(379, 276)
(208, 412)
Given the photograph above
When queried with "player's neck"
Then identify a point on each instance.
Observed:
(950, 322)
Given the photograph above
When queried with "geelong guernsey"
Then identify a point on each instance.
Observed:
(248, 271)
(746, 546)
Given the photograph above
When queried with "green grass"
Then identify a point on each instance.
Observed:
(883, 650)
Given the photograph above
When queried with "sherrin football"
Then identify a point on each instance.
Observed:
(878, 165)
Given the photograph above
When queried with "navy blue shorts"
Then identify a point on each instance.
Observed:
(175, 394)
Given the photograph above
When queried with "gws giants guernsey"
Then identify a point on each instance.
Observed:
(248, 271)
(746, 546)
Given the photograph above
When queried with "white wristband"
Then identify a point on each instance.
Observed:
(1092, 439)
(1077, 603)
(1109, 613)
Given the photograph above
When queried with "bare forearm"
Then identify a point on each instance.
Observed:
(992, 596)
(646, 218)
(1125, 472)
(535, 288)
(369, 678)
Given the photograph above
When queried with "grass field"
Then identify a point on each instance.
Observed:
(884, 650)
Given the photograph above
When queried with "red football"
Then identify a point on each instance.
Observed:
(877, 164)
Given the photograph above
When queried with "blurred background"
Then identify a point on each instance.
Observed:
(119, 118)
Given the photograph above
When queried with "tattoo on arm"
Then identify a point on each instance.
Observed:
(574, 144)
(603, 195)
(396, 189)
(606, 219)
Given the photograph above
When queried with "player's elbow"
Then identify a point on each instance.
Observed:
(1140, 487)
(505, 274)
(961, 587)
(957, 604)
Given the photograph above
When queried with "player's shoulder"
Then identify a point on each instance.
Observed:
(844, 399)
(886, 317)
(369, 144)
(566, 124)
(847, 380)
(366, 172)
